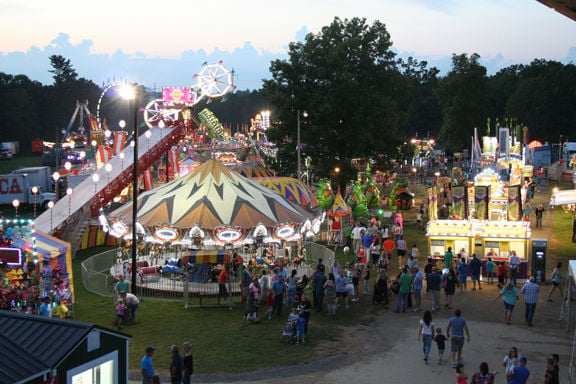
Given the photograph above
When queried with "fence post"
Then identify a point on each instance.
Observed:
(185, 290)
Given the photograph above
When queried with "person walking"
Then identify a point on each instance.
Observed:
(556, 279)
(175, 366)
(426, 332)
(401, 252)
(530, 291)
(187, 363)
(510, 294)
(417, 287)
(147, 367)
(278, 288)
(457, 324)
(462, 274)
(292, 280)
(519, 374)
(448, 258)
(404, 291)
(330, 294)
(318, 281)
(450, 282)
(510, 361)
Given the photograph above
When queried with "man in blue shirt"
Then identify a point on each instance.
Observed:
(45, 308)
(318, 281)
(147, 368)
(458, 326)
(278, 288)
(519, 374)
(475, 268)
(245, 283)
(530, 291)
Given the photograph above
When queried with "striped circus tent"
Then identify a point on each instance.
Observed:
(292, 189)
(250, 171)
(217, 200)
(339, 208)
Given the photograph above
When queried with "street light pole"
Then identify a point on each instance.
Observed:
(135, 193)
(298, 145)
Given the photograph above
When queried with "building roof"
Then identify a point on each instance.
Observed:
(565, 7)
(32, 345)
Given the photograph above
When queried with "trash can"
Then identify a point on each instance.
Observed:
(539, 251)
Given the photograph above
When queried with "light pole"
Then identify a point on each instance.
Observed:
(56, 177)
(16, 204)
(35, 193)
(130, 93)
(304, 115)
(50, 206)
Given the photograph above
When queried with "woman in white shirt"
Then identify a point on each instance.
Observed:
(426, 332)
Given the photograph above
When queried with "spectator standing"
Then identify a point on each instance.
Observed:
(278, 288)
(448, 258)
(292, 280)
(175, 366)
(389, 246)
(539, 212)
(514, 263)
(357, 238)
(450, 282)
(510, 360)
(519, 374)
(401, 252)
(318, 281)
(122, 285)
(187, 363)
(457, 324)
(551, 376)
(530, 291)
(222, 281)
(417, 286)
(44, 310)
(462, 274)
(265, 285)
(475, 269)
(501, 274)
(490, 271)
(147, 367)
(330, 294)
(245, 283)
(433, 283)
(483, 376)
(404, 292)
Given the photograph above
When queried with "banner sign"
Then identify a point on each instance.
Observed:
(459, 202)
(514, 203)
(481, 199)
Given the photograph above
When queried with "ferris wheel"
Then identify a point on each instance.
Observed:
(214, 80)
(155, 112)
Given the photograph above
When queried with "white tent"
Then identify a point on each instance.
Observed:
(563, 197)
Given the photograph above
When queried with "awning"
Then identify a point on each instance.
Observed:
(563, 197)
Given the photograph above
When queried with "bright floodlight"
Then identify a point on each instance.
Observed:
(122, 124)
(68, 165)
(95, 177)
(50, 204)
(34, 189)
(127, 92)
(69, 191)
(16, 203)
(108, 167)
(56, 176)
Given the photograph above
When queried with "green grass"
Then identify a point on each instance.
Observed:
(221, 340)
(20, 161)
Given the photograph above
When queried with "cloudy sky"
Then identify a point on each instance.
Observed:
(158, 43)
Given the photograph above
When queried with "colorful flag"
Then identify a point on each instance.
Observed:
(432, 200)
(514, 203)
(148, 182)
(103, 154)
(459, 202)
(481, 199)
(173, 163)
(93, 123)
(119, 141)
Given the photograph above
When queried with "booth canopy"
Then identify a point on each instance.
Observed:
(563, 197)
(249, 170)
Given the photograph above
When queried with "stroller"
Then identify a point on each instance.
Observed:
(289, 330)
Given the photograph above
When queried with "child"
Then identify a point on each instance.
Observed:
(461, 376)
(367, 281)
(120, 308)
(269, 305)
(440, 340)
(490, 270)
(300, 328)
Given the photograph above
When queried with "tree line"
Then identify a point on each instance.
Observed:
(362, 100)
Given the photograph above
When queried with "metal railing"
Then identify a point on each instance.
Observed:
(192, 286)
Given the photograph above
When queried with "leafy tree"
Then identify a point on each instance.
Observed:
(347, 79)
(463, 97)
(62, 70)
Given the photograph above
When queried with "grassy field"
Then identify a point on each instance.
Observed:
(20, 161)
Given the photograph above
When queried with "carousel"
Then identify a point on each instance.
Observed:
(204, 221)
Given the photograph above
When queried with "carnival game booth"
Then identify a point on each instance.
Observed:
(211, 209)
(34, 265)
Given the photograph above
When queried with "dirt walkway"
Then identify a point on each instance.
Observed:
(388, 351)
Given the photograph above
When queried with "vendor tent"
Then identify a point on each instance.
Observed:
(292, 189)
(51, 252)
(563, 197)
(249, 170)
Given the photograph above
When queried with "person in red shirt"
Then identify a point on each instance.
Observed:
(222, 281)
(501, 274)
(389, 246)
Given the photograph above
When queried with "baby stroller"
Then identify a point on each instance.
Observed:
(289, 330)
(381, 293)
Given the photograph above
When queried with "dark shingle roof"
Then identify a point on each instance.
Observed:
(16, 364)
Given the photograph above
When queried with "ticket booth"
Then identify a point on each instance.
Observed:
(539, 253)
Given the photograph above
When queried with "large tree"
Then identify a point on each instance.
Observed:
(463, 97)
(347, 79)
